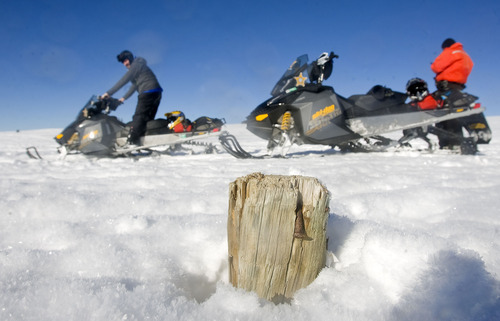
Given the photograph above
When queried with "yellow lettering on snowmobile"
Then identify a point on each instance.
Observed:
(91, 135)
(59, 136)
(460, 110)
(322, 118)
(323, 112)
(477, 126)
(261, 117)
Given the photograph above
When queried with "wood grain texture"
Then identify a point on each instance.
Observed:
(266, 255)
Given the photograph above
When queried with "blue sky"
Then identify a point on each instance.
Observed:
(222, 58)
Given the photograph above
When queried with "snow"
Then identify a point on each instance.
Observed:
(416, 234)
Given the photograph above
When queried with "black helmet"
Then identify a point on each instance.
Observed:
(125, 54)
(447, 43)
(416, 89)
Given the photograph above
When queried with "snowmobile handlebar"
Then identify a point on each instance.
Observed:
(99, 105)
(107, 104)
(110, 102)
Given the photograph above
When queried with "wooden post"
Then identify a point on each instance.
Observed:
(276, 233)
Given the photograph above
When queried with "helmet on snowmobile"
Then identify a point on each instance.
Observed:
(416, 89)
(174, 118)
(124, 55)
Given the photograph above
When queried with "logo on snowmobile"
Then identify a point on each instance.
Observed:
(322, 118)
(323, 112)
(88, 138)
(91, 135)
(301, 80)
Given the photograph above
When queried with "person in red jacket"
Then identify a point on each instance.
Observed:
(452, 68)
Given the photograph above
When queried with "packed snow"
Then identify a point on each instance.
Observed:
(415, 234)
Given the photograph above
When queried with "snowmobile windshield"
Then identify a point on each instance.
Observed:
(292, 76)
(92, 101)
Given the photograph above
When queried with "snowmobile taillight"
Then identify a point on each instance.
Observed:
(476, 105)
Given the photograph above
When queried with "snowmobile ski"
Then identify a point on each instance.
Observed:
(32, 152)
(233, 147)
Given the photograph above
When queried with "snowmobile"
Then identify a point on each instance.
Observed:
(95, 132)
(304, 111)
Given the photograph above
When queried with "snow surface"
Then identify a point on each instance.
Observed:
(416, 235)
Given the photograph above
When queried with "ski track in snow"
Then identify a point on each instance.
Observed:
(416, 234)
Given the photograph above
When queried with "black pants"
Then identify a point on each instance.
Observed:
(147, 106)
(454, 126)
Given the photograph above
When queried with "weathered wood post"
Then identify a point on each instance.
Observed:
(276, 233)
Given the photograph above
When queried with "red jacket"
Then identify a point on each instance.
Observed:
(453, 64)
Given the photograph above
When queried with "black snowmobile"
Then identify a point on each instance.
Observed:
(94, 132)
(304, 111)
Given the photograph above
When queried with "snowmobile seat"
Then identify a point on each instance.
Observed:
(208, 124)
(378, 100)
(157, 127)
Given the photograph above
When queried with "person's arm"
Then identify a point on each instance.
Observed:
(131, 73)
(129, 92)
(122, 82)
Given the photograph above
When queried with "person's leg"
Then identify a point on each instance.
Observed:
(454, 127)
(147, 106)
